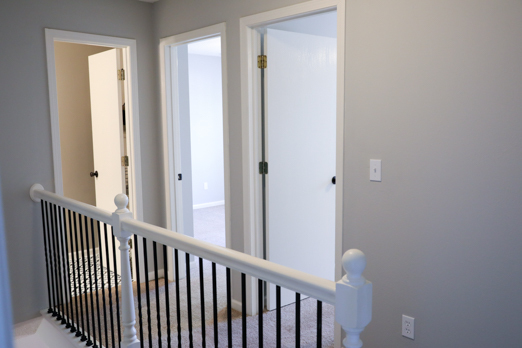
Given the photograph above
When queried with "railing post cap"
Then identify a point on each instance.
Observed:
(32, 192)
(354, 263)
(121, 200)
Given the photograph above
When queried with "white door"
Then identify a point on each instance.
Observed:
(300, 145)
(107, 131)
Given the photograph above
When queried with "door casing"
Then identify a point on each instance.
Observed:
(129, 57)
(171, 128)
(250, 111)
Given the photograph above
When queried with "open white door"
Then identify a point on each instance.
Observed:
(300, 142)
(107, 131)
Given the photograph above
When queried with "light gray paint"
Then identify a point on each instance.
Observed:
(25, 133)
(432, 89)
(206, 128)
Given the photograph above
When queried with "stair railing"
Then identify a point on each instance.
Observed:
(351, 296)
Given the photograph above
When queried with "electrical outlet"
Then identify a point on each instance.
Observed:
(408, 326)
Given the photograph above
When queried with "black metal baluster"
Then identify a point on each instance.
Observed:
(111, 314)
(158, 312)
(116, 288)
(202, 301)
(243, 308)
(95, 284)
(178, 308)
(229, 309)
(52, 258)
(260, 307)
(81, 330)
(93, 332)
(68, 296)
(45, 228)
(166, 277)
(146, 263)
(214, 303)
(319, 323)
(297, 320)
(65, 314)
(57, 264)
(75, 312)
(103, 288)
(278, 316)
(189, 298)
(84, 338)
(138, 287)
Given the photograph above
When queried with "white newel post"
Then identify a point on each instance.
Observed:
(353, 298)
(128, 316)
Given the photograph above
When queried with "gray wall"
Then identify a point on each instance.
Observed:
(432, 89)
(206, 129)
(25, 134)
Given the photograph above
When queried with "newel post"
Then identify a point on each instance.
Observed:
(128, 316)
(353, 298)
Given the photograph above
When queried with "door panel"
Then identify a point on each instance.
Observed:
(107, 130)
(300, 150)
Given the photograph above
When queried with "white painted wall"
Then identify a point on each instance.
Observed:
(206, 128)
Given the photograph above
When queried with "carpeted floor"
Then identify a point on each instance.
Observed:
(206, 222)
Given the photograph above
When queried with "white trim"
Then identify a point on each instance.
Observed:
(289, 278)
(152, 275)
(207, 205)
(250, 45)
(170, 117)
(129, 51)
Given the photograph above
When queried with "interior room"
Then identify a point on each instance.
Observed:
(431, 89)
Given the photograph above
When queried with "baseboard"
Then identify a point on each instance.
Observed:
(208, 205)
(50, 328)
(237, 305)
(153, 274)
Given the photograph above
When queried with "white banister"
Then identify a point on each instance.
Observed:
(353, 300)
(128, 316)
(304, 283)
(351, 296)
(37, 193)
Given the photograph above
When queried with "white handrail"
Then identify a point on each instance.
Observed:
(351, 296)
(307, 284)
(37, 192)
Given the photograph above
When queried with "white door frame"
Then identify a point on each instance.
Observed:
(129, 54)
(171, 128)
(250, 110)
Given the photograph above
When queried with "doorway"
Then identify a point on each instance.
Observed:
(283, 171)
(196, 134)
(94, 121)
(298, 140)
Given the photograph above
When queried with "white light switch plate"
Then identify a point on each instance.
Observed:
(375, 170)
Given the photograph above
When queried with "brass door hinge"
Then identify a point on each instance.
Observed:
(121, 74)
(261, 61)
(124, 161)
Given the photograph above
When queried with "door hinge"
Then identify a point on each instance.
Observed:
(261, 61)
(263, 167)
(124, 161)
(121, 74)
